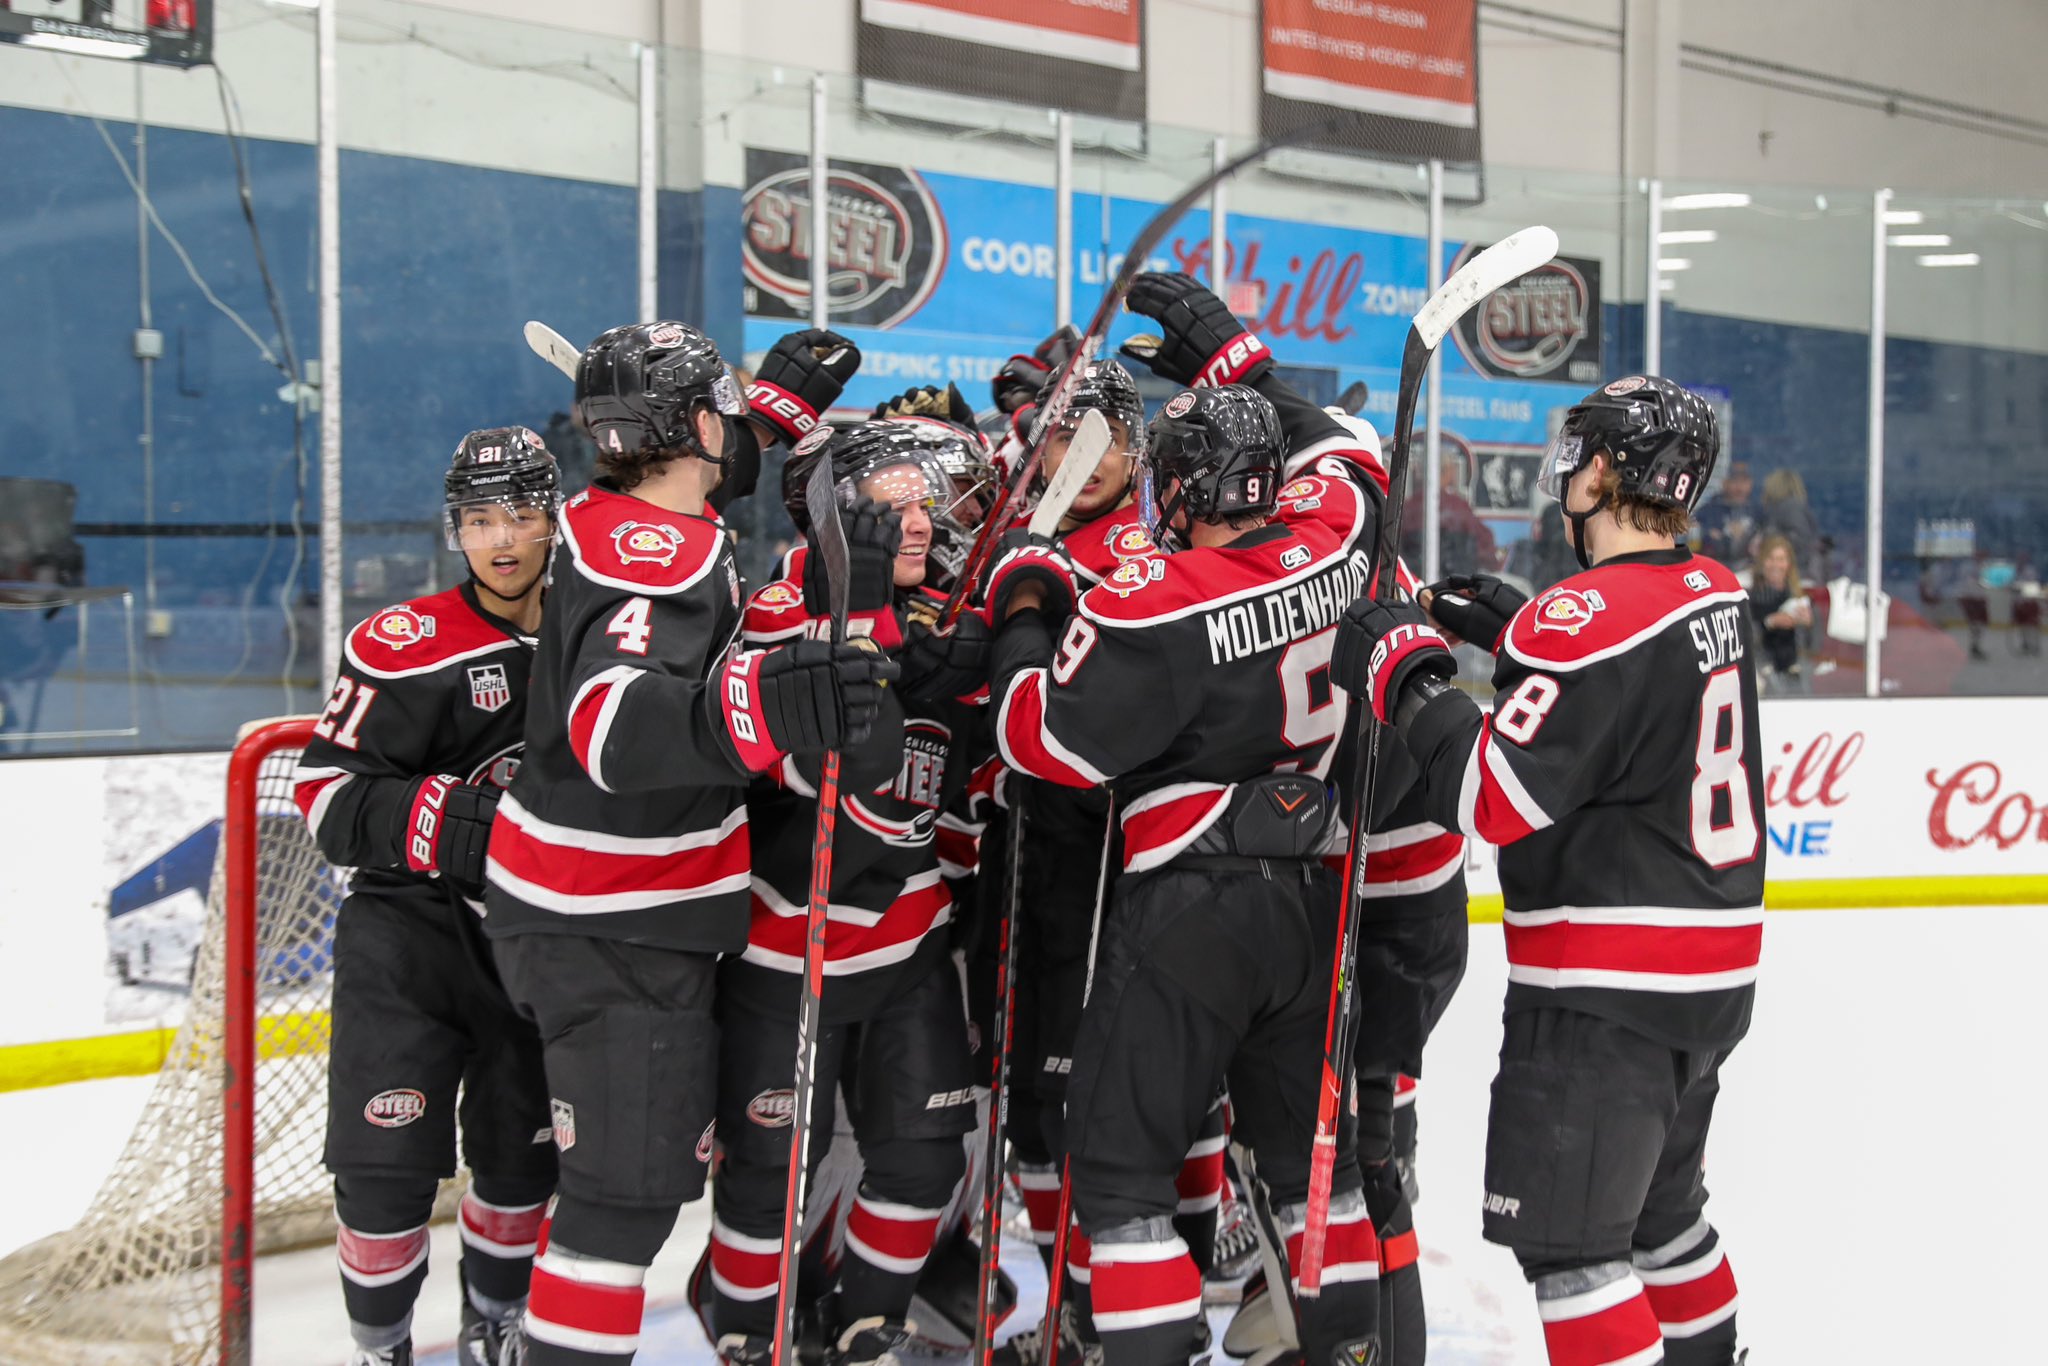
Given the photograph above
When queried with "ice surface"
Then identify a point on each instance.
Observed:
(1872, 1136)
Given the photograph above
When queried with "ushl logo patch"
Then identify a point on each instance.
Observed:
(563, 1114)
(489, 688)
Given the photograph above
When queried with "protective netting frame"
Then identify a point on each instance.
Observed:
(225, 1160)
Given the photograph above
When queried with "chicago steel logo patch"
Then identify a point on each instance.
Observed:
(1132, 542)
(778, 597)
(704, 1141)
(773, 1109)
(1128, 577)
(399, 627)
(395, 1109)
(1567, 610)
(648, 541)
(1179, 404)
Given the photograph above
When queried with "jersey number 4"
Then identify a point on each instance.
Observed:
(631, 626)
(347, 735)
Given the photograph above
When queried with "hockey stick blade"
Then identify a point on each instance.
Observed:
(828, 537)
(1504, 261)
(1077, 467)
(552, 347)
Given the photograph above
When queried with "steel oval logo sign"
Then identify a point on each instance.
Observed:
(1545, 325)
(885, 246)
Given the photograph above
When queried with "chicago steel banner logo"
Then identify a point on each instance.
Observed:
(1545, 325)
(885, 245)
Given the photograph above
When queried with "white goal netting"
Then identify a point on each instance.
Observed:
(139, 1278)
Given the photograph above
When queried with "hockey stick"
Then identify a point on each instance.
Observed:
(1506, 260)
(1054, 410)
(1077, 467)
(828, 538)
(1056, 1278)
(552, 347)
(990, 1225)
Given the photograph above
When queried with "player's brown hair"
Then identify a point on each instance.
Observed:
(1659, 519)
(630, 469)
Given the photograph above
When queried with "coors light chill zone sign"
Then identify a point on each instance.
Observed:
(885, 245)
(1087, 56)
(1406, 71)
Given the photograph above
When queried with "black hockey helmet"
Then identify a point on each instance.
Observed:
(500, 466)
(867, 448)
(1662, 439)
(637, 386)
(1105, 387)
(1225, 449)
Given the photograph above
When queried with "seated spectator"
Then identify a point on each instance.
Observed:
(1779, 607)
(1541, 558)
(1727, 521)
(1788, 514)
(1465, 543)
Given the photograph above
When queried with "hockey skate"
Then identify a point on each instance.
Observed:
(1237, 1254)
(870, 1342)
(737, 1349)
(399, 1354)
(1028, 1347)
(485, 1341)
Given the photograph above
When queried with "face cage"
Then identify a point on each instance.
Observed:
(451, 516)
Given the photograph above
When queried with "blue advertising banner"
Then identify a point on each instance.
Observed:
(940, 278)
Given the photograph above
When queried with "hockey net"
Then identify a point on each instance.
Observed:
(159, 1268)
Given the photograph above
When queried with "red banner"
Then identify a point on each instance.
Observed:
(1084, 55)
(1408, 68)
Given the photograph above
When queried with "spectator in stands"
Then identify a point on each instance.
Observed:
(1727, 521)
(1466, 544)
(1780, 609)
(1788, 514)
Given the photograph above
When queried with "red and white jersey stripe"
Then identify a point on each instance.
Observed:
(584, 872)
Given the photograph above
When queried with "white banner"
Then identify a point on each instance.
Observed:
(1897, 787)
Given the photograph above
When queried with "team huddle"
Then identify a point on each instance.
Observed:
(1090, 835)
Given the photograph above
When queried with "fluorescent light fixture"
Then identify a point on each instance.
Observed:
(1671, 263)
(1716, 200)
(86, 47)
(1685, 236)
(294, 4)
(1903, 218)
(1961, 258)
(1918, 239)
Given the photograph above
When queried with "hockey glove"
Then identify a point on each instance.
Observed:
(1203, 342)
(1380, 646)
(1016, 385)
(801, 376)
(1475, 607)
(947, 405)
(874, 531)
(1022, 558)
(448, 829)
(804, 698)
(940, 668)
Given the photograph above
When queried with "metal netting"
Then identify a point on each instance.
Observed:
(136, 1279)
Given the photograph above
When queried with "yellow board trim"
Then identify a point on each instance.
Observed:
(26, 1066)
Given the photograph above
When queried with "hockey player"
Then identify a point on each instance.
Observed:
(618, 864)
(1189, 682)
(1620, 772)
(894, 1030)
(417, 743)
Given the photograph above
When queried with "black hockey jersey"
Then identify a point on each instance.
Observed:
(1621, 773)
(432, 687)
(1182, 675)
(889, 899)
(627, 818)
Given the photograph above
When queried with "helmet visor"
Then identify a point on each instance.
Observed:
(491, 523)
(1568, 453)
